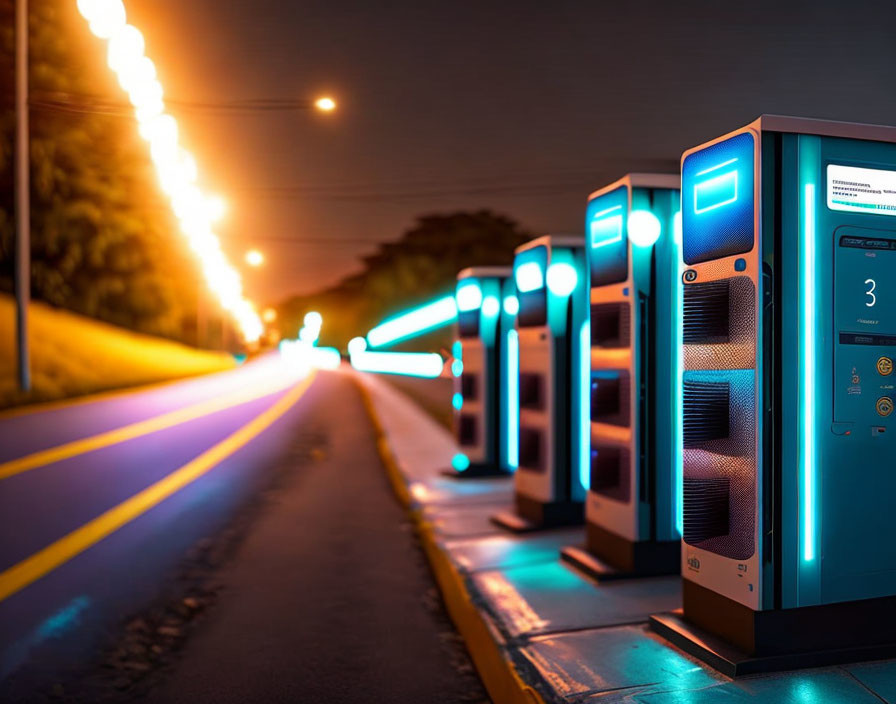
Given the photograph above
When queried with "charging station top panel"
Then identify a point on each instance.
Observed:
(485, 272)
(717, 199)
(607, 216)
(825, 128)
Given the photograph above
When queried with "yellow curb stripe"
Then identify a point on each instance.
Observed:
(58, 553)
(134, 430)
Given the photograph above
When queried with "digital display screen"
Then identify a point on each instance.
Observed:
(717, 200)
(861, 190)
(866, 289)
(605, 223)
(529, 271)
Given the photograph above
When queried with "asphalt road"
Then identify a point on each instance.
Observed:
(327, 597)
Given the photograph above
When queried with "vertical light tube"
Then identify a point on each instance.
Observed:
(678, 381)
(808, 330)
(513, 399)
(585, 405)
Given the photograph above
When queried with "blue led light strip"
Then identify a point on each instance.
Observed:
(513, 399)
(808, 331)
(415, 322)
(585, 406)
(717, 166)
(678, 357)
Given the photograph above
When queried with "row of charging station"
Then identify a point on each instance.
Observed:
(706, 381)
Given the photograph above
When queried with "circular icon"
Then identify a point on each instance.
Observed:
(690, 275)
(885, 366)
(884, 406)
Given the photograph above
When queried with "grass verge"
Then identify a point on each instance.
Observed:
(72, 356)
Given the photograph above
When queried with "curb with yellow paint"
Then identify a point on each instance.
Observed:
(496, 669)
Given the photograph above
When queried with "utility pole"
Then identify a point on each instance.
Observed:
(23, 204)
(201, 314)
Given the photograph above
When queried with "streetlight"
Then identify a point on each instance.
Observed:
(269, 315)
(254, 258)
(325, 104)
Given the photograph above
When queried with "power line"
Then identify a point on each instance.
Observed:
(83, 103)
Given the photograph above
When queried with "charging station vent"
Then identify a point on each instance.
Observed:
(706, 412)
(610, 325)
(530, 449)
(531, 391)
(610, 473)
(706, 509)
(706, 313)
(467, 430)
(611, 399)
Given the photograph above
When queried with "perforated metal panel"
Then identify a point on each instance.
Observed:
(704, 324)
(720, 450)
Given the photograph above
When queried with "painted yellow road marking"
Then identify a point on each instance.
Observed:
(40, 563)
(137, 429)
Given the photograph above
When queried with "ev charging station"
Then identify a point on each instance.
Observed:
(553, 339)
(632, 253)
(787, 437)
(484, 401)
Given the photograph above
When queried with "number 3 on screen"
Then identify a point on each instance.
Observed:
(870, 293)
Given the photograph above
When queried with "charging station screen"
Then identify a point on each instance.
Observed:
(717, 200)
(605, 223)
(866, 287)
(861, 190)
(529, 272)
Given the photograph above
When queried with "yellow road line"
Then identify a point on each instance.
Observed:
(40, 563)
(135, 430)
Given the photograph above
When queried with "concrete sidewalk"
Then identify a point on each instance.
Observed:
(540, 632)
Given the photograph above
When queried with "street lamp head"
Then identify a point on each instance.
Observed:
(254, 258)
(325, 104)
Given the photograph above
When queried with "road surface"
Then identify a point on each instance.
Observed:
(100, 502)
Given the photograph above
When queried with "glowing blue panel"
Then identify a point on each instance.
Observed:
(415, 322)
(457, 367)
(606, 228)
(457, 401)
(469, 296)
(513, 398)
(529, 277)
(718, 200)
(529, 268)
(715, 192)
(605, 222)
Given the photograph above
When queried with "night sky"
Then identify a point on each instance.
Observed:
(524, 107)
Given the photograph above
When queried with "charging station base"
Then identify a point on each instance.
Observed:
(607, 556)
(533, 515)
(734, 662)
(592, 566)
(477, 471)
